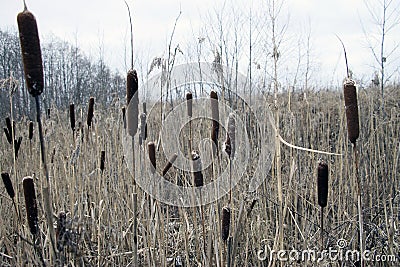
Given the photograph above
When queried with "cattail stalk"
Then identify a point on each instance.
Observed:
(353, 131)
(322, 187)
(33, 70)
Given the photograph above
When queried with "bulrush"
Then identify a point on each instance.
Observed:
(8, 130)
(225, 223)
(215, 119)
(31, 53)
(8, 184)
(196, 168)
(30, 204)
(102, 160)
(322, 183)
(72, 116)
(90, 112)
(189, 104)
(143, 128)
(169, 164)
(230, 142)
(132, 98)
(350, 101)
(152, 156)
(61, 233)
(30, 131)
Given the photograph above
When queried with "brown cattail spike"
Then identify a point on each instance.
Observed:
(143, 131)
(102, 160)
(169, 164)
(189, 104)
(8, 184)
(225, 224)
(90, 112)
(322, 183)
(215, 119)
(152, 156)
(230, 143)
(8, 130)
(72, 116)
(132, 98)
(30, 131)
(197, 168)
(31, 52)
(124, 116)
(350, 101)
(30, 204)
(61, 233)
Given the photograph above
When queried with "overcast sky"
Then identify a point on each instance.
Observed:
(104, 23)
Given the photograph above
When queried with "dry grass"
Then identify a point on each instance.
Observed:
(98, 205)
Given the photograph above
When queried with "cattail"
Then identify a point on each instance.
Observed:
(230, 143)
(143, 128)
(30, 204)
(124, 116)
(8, 184)
(197, 167)
(189, 99)
(132, 98)
(226, 221)
(90, 112)
(144, 107)
(169, 164)
(30, 131)
(152, 156)
(61, 234)
(17, 145)
(215, 119)
(8, 130)
(72, 116)
(102, 160)
(350, 101)
(322, 183)
(48, 113)
(31, 53)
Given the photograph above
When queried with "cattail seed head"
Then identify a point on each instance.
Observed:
(30, 204)
(350, 101)
(215, 119)
(322, 183)
(102, 160)
(197, 167)
(61, 235)
(30, 131)
(8, 184)
(143, 126)
(72, 116)
(169, 164)
(17, 145)
(8, 135)
(152, 156)
(189, 104)
(8, 130)
(132, 98)
(90, 112)
(124, 116)
(31, 52)
(230, 142)
(225, 223)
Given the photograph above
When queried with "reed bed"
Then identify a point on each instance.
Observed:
(98, 219)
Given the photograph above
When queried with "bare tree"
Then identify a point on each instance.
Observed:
(385, 15)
